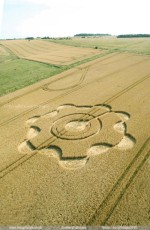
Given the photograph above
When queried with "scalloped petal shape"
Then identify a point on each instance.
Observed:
(106, 107)
(124, 116)
(126, 143)
(120, 127)
(65, 106)
(50, 115)
(32, 120)
(73, 164)
(52, 151)
(33, 132)
(98, 149)
(26, 147)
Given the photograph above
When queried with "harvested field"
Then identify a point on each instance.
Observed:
(75, 148)
(48, 52)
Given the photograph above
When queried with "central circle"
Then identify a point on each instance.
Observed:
(76, 126)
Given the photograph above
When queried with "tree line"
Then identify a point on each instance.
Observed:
(91, 35)
(133, 36)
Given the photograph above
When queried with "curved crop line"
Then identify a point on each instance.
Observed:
(46, 87)
(51, 81)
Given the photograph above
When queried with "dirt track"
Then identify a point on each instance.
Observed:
(75, 147)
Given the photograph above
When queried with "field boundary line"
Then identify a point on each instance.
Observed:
(10, 52)
(107, 207)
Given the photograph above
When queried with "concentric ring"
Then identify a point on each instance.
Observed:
(72, 127)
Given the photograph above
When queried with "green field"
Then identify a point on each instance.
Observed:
(17, 73)
(132, 45)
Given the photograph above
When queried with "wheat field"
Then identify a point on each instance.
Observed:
(75, 148)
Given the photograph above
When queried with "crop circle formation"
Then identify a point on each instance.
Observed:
(73, 134)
